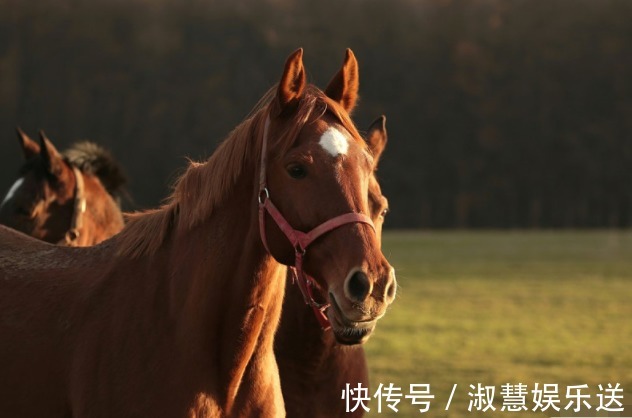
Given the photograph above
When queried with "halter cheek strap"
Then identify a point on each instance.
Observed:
(299, 240)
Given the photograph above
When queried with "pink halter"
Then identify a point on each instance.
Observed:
(299, 240)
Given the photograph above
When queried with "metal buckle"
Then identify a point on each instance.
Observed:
(300, 250)
(263, 192)
(312, 301)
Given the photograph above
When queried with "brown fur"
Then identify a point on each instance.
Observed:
(183, 325)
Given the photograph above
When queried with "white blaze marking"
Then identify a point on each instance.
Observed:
(12, 190)
(334, 142)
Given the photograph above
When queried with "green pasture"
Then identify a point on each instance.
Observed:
(506, 307)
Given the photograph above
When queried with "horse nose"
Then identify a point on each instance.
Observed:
(358, 286)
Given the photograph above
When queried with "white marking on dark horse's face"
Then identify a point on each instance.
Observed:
(12, 190)
(334, 142)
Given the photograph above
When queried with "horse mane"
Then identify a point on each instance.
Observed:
(93, 159)
(203, 186)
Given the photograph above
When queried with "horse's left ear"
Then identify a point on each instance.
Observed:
(376, 138)
(29, 147)
(51, 158)
(343, 87)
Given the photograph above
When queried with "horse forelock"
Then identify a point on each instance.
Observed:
(313, 105)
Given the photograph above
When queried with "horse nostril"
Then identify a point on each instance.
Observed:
(390, 290)
(358, 286)
(391, 287)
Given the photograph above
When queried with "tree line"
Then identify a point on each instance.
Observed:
(500, 114)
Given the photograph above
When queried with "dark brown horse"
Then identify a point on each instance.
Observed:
(315, 368)
(175, 315)
(67, 198)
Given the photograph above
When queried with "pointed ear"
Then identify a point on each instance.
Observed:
(29, 147)
(343, 87)
(51, 158)
(376, 138)
(292, 82)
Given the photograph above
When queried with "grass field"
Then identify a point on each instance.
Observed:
(506, 307)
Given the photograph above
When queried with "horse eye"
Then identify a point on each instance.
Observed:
(297, 171)
(384, 212)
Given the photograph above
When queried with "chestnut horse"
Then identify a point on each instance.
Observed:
(175, 316)
(315, 368)
(64, 198)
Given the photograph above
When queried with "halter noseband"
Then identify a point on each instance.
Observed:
(79, 209)
(299, 240)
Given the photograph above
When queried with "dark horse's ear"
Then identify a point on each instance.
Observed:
(343, 87)
(376, 138)
(29, 147)
(51, 158)
(292, 83)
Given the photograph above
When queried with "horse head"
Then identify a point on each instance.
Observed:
(59, 198)
(317, 173)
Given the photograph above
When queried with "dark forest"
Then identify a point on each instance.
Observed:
(500, 114)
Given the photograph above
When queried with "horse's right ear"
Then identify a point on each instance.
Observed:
(292, 83)
(51, 158)
(29, 147)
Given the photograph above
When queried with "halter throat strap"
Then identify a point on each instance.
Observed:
(79, 208)
(300, 240)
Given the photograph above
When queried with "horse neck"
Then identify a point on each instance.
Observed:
(314, 345)
(311, 360)
(102, 218)
(234, 291)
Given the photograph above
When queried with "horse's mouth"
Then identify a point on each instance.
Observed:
(346, 331)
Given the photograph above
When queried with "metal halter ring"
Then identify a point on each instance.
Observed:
(299, 250)
(261, 193)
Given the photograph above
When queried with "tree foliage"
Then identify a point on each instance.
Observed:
(500, 114)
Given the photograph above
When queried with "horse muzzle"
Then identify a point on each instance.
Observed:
(355, 310)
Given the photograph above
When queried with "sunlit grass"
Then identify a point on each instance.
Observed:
(506, 307)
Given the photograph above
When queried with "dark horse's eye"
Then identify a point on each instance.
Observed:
(297, 171)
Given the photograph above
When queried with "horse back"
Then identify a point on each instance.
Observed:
(35, 326)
